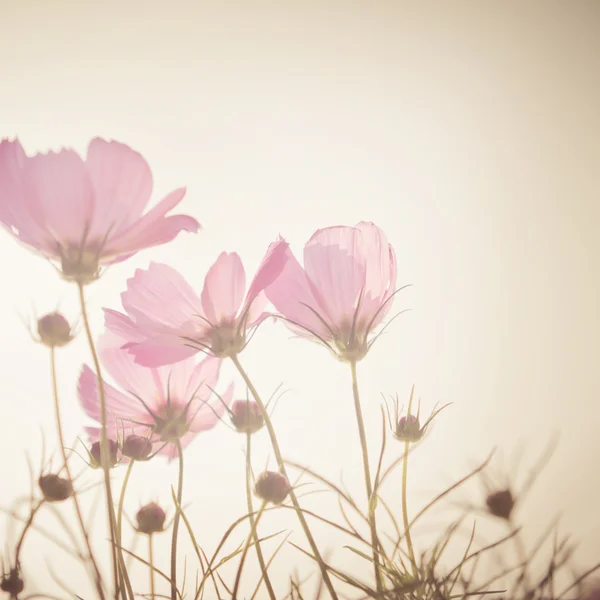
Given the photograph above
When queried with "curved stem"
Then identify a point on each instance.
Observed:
(367, 473)
(281, 465)
(61, 440)
(151, 563)
(409, 544)
(120, 530)
(253, 526)
(176, 524)
(249, 539)
(104, 453)
(26, 528)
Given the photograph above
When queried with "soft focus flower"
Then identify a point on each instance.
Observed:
(246, 416)
(136, 447)
(500, 503)
(150, 519)
(163, 404)
(55, 488)
(96, 454)
(85, 214)
(54, 330)
(167, 321)
(272, 486)
(344, 290)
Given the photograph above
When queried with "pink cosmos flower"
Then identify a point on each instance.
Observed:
(167, 321)
(344, 290)
(85, 214)
(163, 404)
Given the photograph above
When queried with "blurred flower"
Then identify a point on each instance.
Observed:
(55, 488)
(167, 321)
(84, 214)
(54, 330)
(95, 454)
(272, 486)
(500, 503)
(162, 404)
(344, 290)
(136, 447)
(12, 583)
(150, 519)
(246, 416)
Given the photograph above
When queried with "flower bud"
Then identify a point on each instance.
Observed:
(501, 503)
(112, 454)
(54, 330)
(55, 488)
(137, 447)
(150, 518)
(246, 416)
(12, 583)
(272, 486)
(408, 429)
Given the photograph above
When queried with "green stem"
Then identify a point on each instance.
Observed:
(176, 523)
(367, 474)
(151, 563)
(104, 452)
(61, 440)
(282, 469)
(253, 527)
(120, 530)
(249, 539)
(409, 544)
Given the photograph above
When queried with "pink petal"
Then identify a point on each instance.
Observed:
(59, 195)
(122, 183)
(292, 295)
(270, 268)
(122, 326)
(336, 269)
(210, 413)
(154, 228)
(204, 375)
(160, 350)
(224, 288)
(119, 406)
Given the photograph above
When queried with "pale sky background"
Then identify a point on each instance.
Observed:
(469, 131)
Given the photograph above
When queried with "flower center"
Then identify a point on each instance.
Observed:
(171, 423)
(80, 265)
(226, 340)
(351, 341)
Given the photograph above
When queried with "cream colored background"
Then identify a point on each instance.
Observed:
(468, 131)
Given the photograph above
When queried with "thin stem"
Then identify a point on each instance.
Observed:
(120, 530)
(522, 556)
(26, 528)
(282, 469)
(367, 473)
(61, 440)
(151, 563)
(104, 453)
(409, 544)
(249, 539)
(176, 523)
(253, 526)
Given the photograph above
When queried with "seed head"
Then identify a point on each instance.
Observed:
(95, 455)
(408, 429)
(150, 518)
(12, 583)
(137, 447)
(55, 488)
(54, 330)
(272, 486)
(246, 416)
(500, 503)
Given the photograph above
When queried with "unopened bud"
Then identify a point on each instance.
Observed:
(150, 518)
(112, 454)
(54, 330)
(55, 488)
(246, 416)
(272, 486)
(12, 583)
(501, 503)
(137, 447)
(408, 429)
